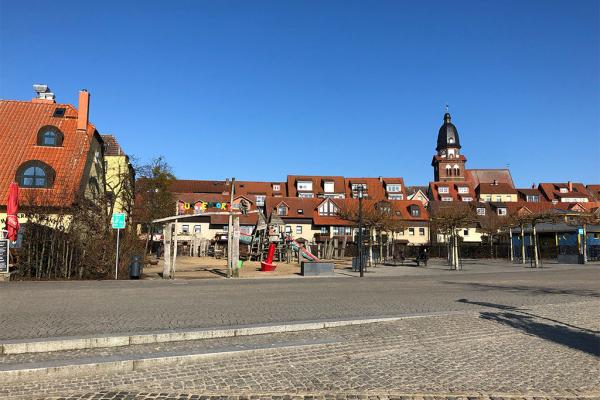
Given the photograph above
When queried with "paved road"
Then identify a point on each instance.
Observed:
(544, 351)
(51, 309)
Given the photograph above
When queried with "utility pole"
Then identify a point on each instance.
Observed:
(230, 231)
(360, 229)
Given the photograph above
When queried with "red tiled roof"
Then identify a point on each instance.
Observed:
(498, 188)
(318, 184)
(479, 176)
(20, 122)
(195, 186)
(452, 190)
(552, 190)
(111, 146)
(259, 188)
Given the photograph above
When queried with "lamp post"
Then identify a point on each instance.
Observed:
(360, 229)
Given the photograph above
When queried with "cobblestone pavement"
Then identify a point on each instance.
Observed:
(498, 351)
(54, 309)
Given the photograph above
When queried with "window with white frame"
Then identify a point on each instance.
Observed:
(328, 208)
(197, 228)
(298, 229)
(306, 195)
(304, 185)
(463, 189)
(355, 187)
(421, 231)
(282, 209)
(288, 229)
(393, 187)
(446, 198)
(501, 211)
(260, 200)
(443, 189)
(488, 197)
(276, 187)
(467, 199)
(533, 198)
(324, 229)
(185, 229)
(411, 231)
(395, 196)
(415, 211)
(329, 187)
(480, 211)
(498, 198)
(564, 190)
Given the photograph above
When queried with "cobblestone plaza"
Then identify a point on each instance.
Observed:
(508, 333)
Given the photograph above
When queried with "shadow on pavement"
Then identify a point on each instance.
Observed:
(529, 289)
(572, 336)
(564, 335)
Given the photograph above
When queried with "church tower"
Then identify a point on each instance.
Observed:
(448, 164)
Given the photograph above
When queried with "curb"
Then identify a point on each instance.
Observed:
(79, 343)
(60, 368)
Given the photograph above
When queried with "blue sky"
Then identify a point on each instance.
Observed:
(261, 89)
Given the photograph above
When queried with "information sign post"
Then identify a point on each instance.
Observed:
(118, 223)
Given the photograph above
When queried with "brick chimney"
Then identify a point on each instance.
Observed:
(83, 110)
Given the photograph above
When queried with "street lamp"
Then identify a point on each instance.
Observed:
(360, 193)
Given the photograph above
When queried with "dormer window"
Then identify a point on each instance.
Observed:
(329, 187)
(282, 209)
(276, 187)
(443, 189)
(50, 136)
(393, 188)
(300, 211)
(564, 190)
(35, 174)
(463, 189)
(415, 211)
(304, 186)
(501, 211)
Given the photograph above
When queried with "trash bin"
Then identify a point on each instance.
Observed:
(135, 268)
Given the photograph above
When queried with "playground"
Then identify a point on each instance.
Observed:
(215, 268)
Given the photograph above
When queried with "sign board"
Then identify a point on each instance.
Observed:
(4, 255)
(581, 231)
(118, 221)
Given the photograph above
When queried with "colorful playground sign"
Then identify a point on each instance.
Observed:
(200, 207)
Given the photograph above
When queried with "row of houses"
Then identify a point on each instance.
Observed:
(58, 156)
(310, 205)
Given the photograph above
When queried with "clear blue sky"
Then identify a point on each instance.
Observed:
(261, 89)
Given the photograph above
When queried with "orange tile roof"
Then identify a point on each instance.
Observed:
(498, 188)
(112, 146)
(20, 122)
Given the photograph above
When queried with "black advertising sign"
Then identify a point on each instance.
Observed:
(3, 255)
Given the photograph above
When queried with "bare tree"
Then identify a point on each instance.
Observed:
(153, 199)
(491, 225)
(584, 219)
(447, 219)
(526, 218)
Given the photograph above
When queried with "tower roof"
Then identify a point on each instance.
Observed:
(448, 134)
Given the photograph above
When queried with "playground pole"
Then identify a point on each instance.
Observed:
(230, 231)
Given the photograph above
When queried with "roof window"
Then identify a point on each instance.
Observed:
(59, 112)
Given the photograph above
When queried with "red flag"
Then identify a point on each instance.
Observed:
(12, 208)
